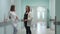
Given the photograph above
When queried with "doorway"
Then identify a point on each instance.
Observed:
(39, 22)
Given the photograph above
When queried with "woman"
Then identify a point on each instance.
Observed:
(27, 20)
(13, 17)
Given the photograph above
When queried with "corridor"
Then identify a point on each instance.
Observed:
(41, 12)
(39, 29)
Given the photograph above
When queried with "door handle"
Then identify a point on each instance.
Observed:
(56, 22)
(52, 19)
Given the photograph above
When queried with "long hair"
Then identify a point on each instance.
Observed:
(28, 8)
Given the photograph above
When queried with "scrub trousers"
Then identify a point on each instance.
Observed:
(14, 30)
(28, 31)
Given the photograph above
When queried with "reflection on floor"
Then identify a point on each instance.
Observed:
(39, 29)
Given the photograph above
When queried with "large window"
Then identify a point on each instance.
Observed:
(40, 13)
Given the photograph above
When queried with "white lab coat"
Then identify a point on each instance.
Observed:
(13, 18)
(29, 19)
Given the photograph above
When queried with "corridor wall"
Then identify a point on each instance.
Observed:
(4, 8)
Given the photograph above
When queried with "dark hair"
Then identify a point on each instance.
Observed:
(12, 8)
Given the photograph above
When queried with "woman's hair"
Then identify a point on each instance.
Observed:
(12, 8)
(28, 7)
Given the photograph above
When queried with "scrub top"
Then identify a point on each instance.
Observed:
(13, 18)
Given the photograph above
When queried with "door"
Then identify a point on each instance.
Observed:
(57, 9)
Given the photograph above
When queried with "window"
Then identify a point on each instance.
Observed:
(40, 12)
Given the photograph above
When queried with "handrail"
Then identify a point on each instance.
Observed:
(2, 24)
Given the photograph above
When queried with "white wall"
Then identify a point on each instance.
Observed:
(4, 8)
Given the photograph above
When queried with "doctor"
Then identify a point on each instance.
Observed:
(14, 18)
(27, 20)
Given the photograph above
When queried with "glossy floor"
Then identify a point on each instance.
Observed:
(39, 29)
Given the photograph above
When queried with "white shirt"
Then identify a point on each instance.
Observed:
(13, 18)
(29, 19)
(29, 16)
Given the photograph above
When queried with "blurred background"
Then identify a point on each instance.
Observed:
(43, 12)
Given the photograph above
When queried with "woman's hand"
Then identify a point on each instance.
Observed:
(16, 17)
(25, 20)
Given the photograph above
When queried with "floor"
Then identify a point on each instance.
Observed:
(39, 29)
